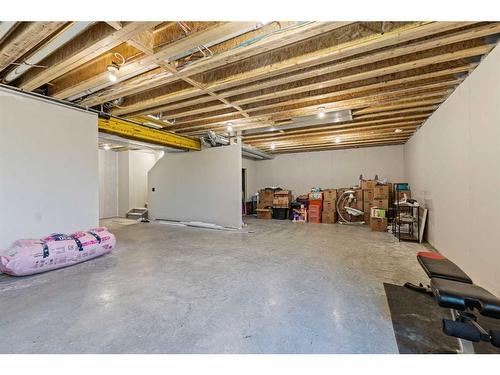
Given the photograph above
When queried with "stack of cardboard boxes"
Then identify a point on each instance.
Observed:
(282, 199)
(264, 206)
(375, 196)
(329, 215)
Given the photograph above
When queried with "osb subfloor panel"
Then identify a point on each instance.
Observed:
(274, 287)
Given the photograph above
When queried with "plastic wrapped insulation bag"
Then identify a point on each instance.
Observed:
(27, 257)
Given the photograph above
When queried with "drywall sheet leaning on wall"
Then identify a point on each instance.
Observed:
(198, 186)
(48, 168)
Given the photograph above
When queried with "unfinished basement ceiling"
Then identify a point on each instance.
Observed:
(200, 76)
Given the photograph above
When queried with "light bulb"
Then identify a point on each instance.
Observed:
(273, 146)
(107, 147)
(398, 130)
(337, 140)
(321, 112)
(112, 70)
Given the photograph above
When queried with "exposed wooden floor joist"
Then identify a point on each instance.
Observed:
(200, 76)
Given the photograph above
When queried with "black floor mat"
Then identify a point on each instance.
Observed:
(416, 319)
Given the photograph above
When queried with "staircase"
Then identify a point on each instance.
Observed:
(137, 213)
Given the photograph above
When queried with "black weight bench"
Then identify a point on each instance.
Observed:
(452, 288)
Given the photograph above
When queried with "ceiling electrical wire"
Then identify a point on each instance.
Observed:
(120, 56)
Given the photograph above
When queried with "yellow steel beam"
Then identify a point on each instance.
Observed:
(128, 129)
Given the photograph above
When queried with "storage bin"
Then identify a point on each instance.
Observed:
(280, 213)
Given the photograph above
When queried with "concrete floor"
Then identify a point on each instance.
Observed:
(274, 287)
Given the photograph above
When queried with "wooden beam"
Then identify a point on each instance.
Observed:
(87, 46)
(407, 50)
(340, 147)
(307, 94)
(399, 105)
(337, 128)
(332, 145)
(430, 108)
(337, 52)
(397, 97)
(25, 37)
(128, 129)
(249, 94)
(117, 25)
(67, 89)
(328, 138)
(143, 41)
(232, 54)
(306, 60)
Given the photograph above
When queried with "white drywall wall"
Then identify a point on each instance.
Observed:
(198, 186)
(48, 168)
(108, 184)
(123, 183)
(133, 168)
(453, 166)
(140, 162)
(330, 169)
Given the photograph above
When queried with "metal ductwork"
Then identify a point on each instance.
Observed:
(61, 39)
(254, 153)
(114, 103)
(6, 28)
(214, 140)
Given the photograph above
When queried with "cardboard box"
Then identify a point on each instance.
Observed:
(381, 203)
(330, 195)
(329, 205)
(281, 201)
(329, 217)
(381, 192)
(368, 195)
(265, 198)
(366, 218)
(367, 206)
(283, 192)
(358, 193)
(368, 184)
(378, 224)
(263, 213)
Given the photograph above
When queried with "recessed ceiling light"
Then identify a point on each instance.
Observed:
(398, 130)
(273, 146)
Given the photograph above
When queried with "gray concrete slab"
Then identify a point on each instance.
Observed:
(274, 287)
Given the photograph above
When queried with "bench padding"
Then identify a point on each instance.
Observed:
(460, 296)
(437, 266)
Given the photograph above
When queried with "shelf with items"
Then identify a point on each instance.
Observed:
(406, 214)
